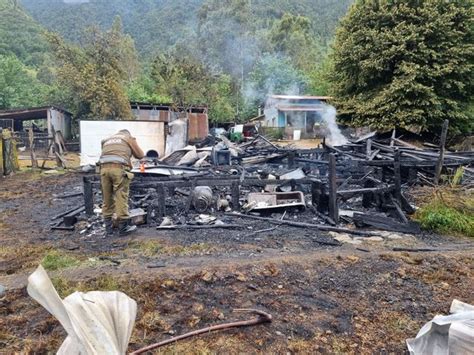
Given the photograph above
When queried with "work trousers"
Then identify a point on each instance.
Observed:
(115, 182)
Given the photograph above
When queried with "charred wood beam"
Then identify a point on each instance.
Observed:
(333, 207)
(320, 227)
(161, 199)
(385, 223)
(439, 163)
(88, 196)
(399, 211)
(406, 205)
(397, 177)
(235, 195)
(71, 218)
(206, 226)
(68, 212)
(367, 189)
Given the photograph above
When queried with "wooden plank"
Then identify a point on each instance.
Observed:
(439, 164)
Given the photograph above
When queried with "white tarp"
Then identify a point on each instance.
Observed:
(96, 322)
(150, 135)
(446, 335)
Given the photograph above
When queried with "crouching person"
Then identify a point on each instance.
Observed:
(115, 178)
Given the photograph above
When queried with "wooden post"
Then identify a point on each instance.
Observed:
(319, 196)
(34, 162)
(1, 156)
(368, 197)
(160, 191)
(291, 160)
(392, 140)
(235, 196)
(315, 193)
(439, 164)
(397, 177)
(369, 149)
(333, 207)
(88, 196)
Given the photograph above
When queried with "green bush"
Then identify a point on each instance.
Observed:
(439, 217)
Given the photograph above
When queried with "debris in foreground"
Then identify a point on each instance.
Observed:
(453, 334)
(262, 317)
(96, 322)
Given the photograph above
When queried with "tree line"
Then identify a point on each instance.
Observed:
(389, 64)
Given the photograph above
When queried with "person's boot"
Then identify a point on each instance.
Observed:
(126, 228)
(109, 227)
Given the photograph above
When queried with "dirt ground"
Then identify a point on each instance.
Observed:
(324, 297)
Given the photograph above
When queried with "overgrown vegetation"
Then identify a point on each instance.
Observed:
(449, 211)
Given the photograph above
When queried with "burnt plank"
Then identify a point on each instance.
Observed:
(385, 223)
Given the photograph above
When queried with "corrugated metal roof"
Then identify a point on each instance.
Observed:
(299, 108)
(30, 113)
(299, 97)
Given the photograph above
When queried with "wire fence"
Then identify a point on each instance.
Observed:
(41, 140)
(6, 123)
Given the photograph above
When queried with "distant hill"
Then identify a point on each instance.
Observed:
(20, 34)
(157, 24)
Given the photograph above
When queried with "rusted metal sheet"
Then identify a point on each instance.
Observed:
(198, 127)
(146, 114)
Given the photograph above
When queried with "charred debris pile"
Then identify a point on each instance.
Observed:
(351, 188)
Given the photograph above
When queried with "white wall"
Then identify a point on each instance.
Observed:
(150, 135)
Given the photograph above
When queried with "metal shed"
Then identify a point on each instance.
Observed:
(55, 117)
(195, 115)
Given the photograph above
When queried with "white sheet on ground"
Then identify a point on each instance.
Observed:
(96, 322)
(453, 334)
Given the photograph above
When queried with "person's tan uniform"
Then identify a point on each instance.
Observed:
(115, 174)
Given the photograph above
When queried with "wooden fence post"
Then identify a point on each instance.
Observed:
(439, 164)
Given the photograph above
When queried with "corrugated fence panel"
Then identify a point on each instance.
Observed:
(198, 127)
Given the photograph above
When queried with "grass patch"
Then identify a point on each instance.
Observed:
(152, 247)
(23, 256)
(55, 260)
(449, 211)
(65, 287)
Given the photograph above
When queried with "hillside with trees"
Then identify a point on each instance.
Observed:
(226, 54)
(390, 64)
(156, 25)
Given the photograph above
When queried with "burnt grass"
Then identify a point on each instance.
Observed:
(323, 298)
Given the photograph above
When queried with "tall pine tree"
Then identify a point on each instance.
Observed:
(401, 63)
